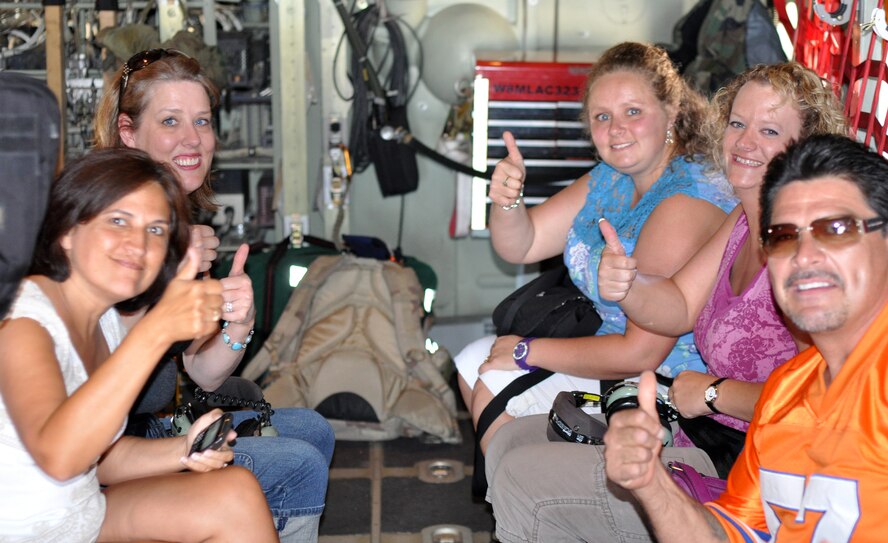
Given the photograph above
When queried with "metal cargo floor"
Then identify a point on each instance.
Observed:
(377, 493)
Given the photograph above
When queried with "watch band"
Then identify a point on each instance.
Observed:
(711, 394)
(520, 352)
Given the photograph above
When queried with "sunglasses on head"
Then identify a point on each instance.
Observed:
(139, 61)
(783, 239)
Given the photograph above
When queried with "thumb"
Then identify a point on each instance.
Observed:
(189, 267)
(609, 233)
(647, 394)
(512, 148)
(240, 259)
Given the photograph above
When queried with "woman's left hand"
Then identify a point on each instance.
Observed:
(237, 290)
(500, 357)
(209, 459)
(686, 393)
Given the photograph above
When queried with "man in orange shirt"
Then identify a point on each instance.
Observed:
(815, 464)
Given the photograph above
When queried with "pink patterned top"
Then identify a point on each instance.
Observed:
(740, 337)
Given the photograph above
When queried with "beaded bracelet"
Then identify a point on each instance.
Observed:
(517, 201)
(235, 346)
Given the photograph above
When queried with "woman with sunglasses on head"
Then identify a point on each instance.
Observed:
(722, 293)
(162, 102)
(70, 370)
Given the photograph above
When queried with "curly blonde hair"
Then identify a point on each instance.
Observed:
(670, 89)
(820, 109)
(175, 66)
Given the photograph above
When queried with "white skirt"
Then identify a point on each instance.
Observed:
(533, 401)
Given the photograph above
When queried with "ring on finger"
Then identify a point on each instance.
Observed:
(506, 181)
(228, 307)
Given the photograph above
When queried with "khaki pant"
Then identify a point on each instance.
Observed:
(549, 492)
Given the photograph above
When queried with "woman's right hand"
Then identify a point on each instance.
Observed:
(190, 308)
(210, 459)
(507, 181)
(203, 238)
(616, 271)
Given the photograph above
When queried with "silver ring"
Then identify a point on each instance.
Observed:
(506, 181)
(228, 307)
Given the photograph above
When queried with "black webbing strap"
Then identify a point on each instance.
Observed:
(493, 410)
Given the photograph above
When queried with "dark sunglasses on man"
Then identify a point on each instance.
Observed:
(783, 239)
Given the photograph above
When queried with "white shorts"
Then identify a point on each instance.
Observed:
(533, 401)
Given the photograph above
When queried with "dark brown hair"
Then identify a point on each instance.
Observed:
(89, 185)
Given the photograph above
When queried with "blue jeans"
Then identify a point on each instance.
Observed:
(292, 468)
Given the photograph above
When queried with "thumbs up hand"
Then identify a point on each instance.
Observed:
(189, 307)
(634, 439)
(507, 182)
(237, 290)
(203, 238)
(616, 271)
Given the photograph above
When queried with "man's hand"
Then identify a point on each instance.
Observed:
(634, 438)
(616, 271)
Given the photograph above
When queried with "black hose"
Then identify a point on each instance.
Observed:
(406, 138)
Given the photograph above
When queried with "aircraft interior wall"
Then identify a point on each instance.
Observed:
(471, 278)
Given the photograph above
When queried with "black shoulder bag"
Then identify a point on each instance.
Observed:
(549, 306)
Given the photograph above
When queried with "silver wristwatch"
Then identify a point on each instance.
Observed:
(711, 394)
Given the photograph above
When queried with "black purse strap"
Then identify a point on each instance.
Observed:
(544, 282)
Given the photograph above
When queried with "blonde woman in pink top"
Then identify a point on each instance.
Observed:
(723, 292)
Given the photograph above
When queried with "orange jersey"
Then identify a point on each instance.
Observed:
(815, 464)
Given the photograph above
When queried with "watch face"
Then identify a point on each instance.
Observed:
(520, 350)
(710, 394)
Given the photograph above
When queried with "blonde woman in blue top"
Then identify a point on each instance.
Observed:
(652, 184)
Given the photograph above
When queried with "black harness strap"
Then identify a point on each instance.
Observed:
(493, 410)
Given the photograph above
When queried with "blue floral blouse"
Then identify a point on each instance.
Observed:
(610, 196)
